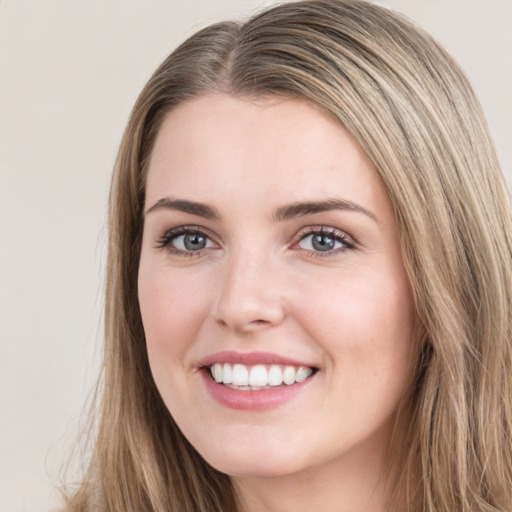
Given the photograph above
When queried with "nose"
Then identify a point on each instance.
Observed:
(249, 298)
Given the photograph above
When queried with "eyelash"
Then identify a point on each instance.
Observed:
(348, 243)
(166, 242)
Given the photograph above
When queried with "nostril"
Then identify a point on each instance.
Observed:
(251, 325)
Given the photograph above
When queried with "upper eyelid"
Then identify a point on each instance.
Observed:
(325, 229)
(320, 228)
(179, 230)
(173, 233)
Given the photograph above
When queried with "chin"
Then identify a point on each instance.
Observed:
(253, 461)
(263, 468)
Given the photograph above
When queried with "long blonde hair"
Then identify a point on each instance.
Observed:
(412, 110)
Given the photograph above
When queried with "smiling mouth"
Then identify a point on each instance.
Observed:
(258, 377)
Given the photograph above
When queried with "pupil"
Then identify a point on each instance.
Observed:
(323, 242)
(194, 241)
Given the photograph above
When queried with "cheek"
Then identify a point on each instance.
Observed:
(172, 312)
(365, 323)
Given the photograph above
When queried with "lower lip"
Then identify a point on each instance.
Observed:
(260, 400)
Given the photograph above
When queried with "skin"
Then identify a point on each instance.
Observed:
(259, 286)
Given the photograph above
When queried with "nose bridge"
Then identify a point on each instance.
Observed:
(248, 297)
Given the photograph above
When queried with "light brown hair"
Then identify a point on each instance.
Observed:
(412, 110)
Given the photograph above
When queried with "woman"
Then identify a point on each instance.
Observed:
(309, 278)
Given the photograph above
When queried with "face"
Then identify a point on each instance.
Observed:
(277, 311)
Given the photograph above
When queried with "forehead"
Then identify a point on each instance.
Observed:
(219, 145)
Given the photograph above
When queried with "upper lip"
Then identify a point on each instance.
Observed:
(249, 359)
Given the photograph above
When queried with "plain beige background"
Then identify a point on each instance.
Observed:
(69, 73)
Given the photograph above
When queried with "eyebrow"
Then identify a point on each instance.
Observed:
(284, 212)
(182, 205)
(298, 209)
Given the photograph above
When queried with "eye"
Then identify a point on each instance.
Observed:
(325, 240)
(186, 241)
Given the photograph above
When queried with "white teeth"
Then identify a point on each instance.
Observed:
(302, 374)
(289, 375)
(258, 376)
(239, 376)
(275, 376)
(227, 374)
(217, 372)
